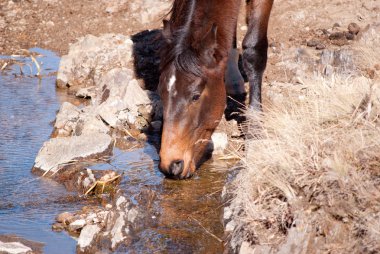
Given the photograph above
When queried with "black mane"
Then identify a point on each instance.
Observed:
(178, 49)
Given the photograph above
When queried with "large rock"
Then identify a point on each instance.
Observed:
(118, 91)
(92, 56)
(14, 248)
(13, 244)
(87, 236)
(59, 152)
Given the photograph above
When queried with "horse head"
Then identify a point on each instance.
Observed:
(193, 95)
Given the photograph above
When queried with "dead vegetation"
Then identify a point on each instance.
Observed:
(311, 178)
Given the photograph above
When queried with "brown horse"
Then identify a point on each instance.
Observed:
(199, 37)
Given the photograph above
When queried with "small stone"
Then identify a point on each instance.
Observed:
(57, 227)
(370, 73)
(76, 225)
(86, 92)
(142, 136)
(354, 28)
(108, 206)
(63, 217)
(337, 36)
(349, 36)
(312, 43)
(340, 42)
(336, 25)
(220, 141)
(50, 24)
(320, 46)
(246, 248)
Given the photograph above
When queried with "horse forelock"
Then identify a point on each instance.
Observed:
(179, 51)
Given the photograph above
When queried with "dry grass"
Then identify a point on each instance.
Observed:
(312, 178)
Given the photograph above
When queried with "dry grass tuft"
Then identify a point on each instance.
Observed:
(311, 181)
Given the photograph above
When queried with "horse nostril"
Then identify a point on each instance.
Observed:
(176, 167)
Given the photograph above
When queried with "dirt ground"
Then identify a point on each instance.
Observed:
(53, 25)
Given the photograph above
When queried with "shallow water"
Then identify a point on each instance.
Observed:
(189, 211)
(28, 205)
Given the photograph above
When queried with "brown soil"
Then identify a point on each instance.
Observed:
(53, 25)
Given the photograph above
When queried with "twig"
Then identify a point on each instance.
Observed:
(37, 64)
(103, 183)
(207, 231)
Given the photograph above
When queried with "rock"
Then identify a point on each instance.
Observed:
(320, 46)
(127, 116)
(349, 36)
(220, 141)
(58, 152)
(337, 36)
(57, 227)
(354, 28)
(92, 56)
(65, 121)
(135, 96)
(312, 43)
(90, 122)
(14, 248)
(77, 224)
(87, 235)
(342, 60)
(121, 93)
(117, 234)
(63, 217)
(246, 248)
(86, 92)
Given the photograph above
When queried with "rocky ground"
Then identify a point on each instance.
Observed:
(94, 39)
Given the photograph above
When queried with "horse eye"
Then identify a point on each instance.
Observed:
(196, 97)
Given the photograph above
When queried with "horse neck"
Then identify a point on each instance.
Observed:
(197, 16)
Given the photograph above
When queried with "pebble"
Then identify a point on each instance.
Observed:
(63, 217)
(349, 36)
(76, 225)
(354, 28)
(312, 43)
(320, 46)
(57, 227)
(337, 36)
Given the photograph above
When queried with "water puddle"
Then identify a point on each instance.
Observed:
(188, 212)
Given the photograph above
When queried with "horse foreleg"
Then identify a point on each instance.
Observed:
(255, 47)
(234, 83)
(233, 78)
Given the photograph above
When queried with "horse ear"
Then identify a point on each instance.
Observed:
(208, 47)
(167, 31)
